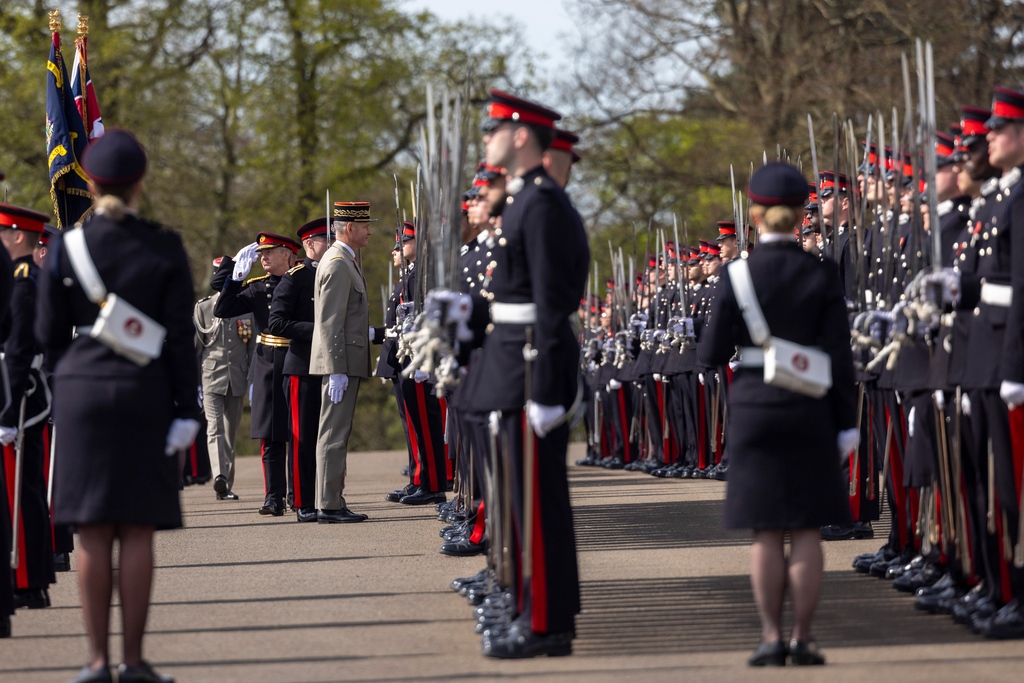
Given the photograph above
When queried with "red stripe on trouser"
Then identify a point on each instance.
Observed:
(428, 438)
(539, 579)
(293, 391)
(21, 574)
(896, 477)
(480, 525)
(192, 459)
(417, 470)
(1006, 588)
(702, 429)
(1016, 418)
(444, 430)
(660, 395)
(626, 453)
(263, 452)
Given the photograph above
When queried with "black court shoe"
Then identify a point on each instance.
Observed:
(805, 653)
(769, 654)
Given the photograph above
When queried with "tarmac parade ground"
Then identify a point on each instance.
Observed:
(239, 597)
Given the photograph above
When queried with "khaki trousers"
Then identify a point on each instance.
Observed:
(332, 445)
(223, 414)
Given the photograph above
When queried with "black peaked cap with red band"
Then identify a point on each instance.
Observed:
(1007, 107)
(564, 140)
(269, 240)
(973, 124)
(506, 107)
(20, 218)
(314, 228)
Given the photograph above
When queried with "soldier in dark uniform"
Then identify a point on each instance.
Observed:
(115, 480)
(784, 480)
(6, 580)
(538, 279)
(25, 417)
(270, 423)
(291, 318)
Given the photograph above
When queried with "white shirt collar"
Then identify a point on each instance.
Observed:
(339, 243)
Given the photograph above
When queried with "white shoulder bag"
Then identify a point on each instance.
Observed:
(788, 365)
(125, 329)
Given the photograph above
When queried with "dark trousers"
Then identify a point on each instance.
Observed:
(6, 580)
(304, 397)
(550, 599)
(275, 485)
(862, 471)
(654, 407)
(197, 457)
(426, 427)
(34, 536)
(618, 412)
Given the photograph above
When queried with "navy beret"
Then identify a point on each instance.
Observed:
(777, 183)
(117, 158)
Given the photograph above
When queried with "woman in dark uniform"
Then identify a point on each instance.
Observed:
(784, 477)
(121, 425)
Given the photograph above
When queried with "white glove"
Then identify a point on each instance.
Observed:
(244, 259)
(965, 404)
(700, 378)
(336, 386)
(543, 418)
(1012, 393)
(613, 385)
(910, 422)
(250, 393)
(940, 399)
(8, 435)
(370, 334)
(733, 365)
(946, 280)
(657, 377)
(181, 435)
(200, 397)
(419, 376)
(848, 440)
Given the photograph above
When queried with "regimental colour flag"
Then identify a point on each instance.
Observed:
(85, 96)
(65, 141)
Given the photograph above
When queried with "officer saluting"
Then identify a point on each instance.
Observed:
(269, 405)
(291, 317)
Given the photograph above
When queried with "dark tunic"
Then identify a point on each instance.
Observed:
(112, 416)
(784, 471)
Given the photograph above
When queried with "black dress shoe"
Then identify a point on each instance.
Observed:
(342, 516)
(62, 562)
(272, 508)
(36, 598)
(519, 642)
(721, 474)
(939, 602)
(966, 606)
(805, 653)
(203, 480)
(462, 547)
(220, 484)
(912, 580)
(87, 675)
(306, 515)
(479, 577)
(422, 497)
(769, 654)
(143, 673)
(227, 495)
(613, 464)
(5, 626)
(398, 494)
(1007, 623)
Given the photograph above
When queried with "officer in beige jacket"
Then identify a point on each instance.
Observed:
(340, 353)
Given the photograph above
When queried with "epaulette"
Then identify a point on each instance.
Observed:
(21, 271)
(297, 268)
(255, 279)
(205, 298)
